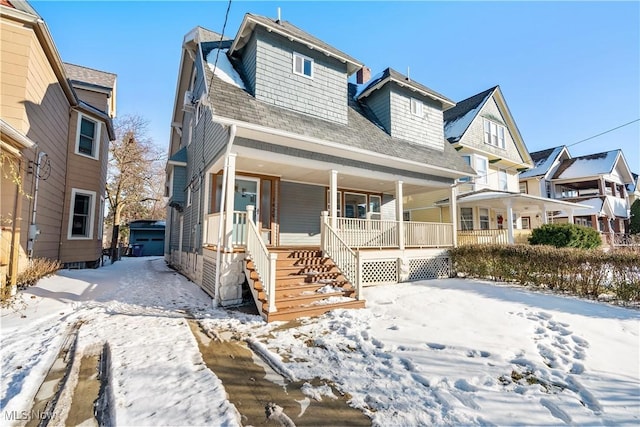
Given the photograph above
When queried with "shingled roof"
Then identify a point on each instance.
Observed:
(392, 75)
(458, 118)
(542, 161)
(80, 74)
(232, 102)
(289, 30)
(590, 165)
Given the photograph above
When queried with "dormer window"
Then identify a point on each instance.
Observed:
(302, 65)
(417, 107)
(494, 134)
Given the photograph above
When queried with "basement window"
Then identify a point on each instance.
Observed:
(302, 65)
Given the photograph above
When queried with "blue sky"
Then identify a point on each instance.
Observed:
(568, 70)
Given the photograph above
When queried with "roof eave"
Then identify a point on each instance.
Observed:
(248, 25)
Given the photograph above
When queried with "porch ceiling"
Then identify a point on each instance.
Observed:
(289, 168)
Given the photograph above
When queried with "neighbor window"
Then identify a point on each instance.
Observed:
(483, 214)
(502, 180)
(81, 214)
(494, 134)
(88, 139)
(466, 219)
(523, 187)
(302, 65)
(526, 222)
(417, 107)
(482, 166)
(467, 160)
(374, 206)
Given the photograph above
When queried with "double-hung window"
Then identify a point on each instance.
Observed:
(467, 160)
(494, 134)
(88, 137)
(302, 65)
(502, 180)
(81, 214)
(482, 169)
(483, 215)
(466, 219)
(417, 107)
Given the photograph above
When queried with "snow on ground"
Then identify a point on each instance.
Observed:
(443, 352)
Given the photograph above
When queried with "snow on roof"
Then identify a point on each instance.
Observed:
(593, 164)
(454, 129)
(223, 69)
(542, 162)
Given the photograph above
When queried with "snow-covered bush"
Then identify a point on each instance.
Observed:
(568, 270)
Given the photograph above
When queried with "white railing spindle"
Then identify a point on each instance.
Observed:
(263, 261)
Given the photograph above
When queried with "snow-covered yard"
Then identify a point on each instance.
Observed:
(443, 352)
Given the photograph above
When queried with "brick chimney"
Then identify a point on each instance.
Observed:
(363, 75)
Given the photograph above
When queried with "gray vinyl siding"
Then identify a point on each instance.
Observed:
(300, 208)
(427, 130)
(179, 184)
(249, 64)
(388, 209)
(323, 96)
(379, 103)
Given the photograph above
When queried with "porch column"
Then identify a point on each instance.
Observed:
(510, 222)
(453, 213)
(333, 198)
(229, 201)
(400, 214)
(545, 216)
(570, 215)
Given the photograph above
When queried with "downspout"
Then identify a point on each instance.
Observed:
(223, 195)
(33, 230)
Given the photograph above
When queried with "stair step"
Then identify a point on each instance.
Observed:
(306, 300)
(309, 311)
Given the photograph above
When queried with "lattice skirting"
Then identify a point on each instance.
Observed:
(379, 272)
(429, 268)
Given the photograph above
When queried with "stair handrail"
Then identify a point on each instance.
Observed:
(263, 261)
(346, 259)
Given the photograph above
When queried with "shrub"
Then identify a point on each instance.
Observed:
(566, 236)
(568, 270)
(37, 269)
(634, 222)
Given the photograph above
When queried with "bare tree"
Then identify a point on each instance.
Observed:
(134, 170)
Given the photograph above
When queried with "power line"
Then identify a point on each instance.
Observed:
(224, 26)
(602, 133)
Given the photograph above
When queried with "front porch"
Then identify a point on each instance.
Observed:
(290, 282)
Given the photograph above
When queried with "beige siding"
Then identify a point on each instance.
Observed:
(84, 174)
(95, 99)
(474, 136)
(34, 103)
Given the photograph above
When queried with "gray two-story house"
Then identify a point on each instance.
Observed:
(286, 177)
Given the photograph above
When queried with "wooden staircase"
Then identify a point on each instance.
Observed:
(307, 284)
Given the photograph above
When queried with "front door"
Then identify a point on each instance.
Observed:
(247, 192)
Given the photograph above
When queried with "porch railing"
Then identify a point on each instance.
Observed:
(428, 234)
(238, 235)
(263, 261)
(346, 259)
(474, 237)
(368, 233)
(620, 239)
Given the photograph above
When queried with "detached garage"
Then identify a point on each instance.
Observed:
(146, 237)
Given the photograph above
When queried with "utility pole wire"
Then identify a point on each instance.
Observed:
(602, 133)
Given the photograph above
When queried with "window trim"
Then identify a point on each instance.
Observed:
(497, 139)
(482, 180)
(482, 221)
(465, 223)
(417, 107)
(502, 173)
(96, 137)
(92, 211)
(470, 158)
(303, 58)
(100, 220)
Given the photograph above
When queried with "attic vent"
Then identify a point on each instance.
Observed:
(187, 104)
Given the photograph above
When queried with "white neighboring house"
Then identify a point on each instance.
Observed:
(601, 181)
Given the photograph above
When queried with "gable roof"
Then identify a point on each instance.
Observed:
(542, 161)
(293, 33)
(458, 118)
(391, 75)
(80, 74)
(589, 165)
(231, 103)
(633, 186)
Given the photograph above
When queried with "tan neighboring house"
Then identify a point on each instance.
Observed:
(490, 208)
(55, 130)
